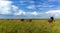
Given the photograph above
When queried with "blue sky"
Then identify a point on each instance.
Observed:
(29, 8)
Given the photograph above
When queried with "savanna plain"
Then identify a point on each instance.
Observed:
(36, 26)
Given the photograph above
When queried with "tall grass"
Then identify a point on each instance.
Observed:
(36, 26)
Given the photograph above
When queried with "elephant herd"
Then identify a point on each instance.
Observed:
(28, 20)
(50, 20)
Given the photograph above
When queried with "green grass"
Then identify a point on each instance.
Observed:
(36, 26)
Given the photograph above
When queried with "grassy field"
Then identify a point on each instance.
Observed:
(36, 26)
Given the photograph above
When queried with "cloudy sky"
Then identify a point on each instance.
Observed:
(29, 8)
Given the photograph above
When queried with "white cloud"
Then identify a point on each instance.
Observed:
(29, 1)
(5, 7)
(45, 5)
(32, 2)
(22, 1)
(15, 8)
(21, 12)
(34, 13)
(54, 13)
(31, 7)
(17, 11)
(52, 0)
(3, 0)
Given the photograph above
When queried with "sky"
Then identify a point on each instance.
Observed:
(29, 8)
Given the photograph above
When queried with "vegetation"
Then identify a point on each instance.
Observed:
(36, 26)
